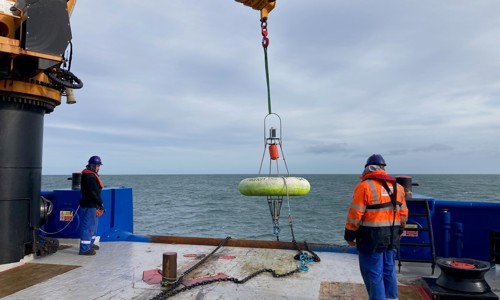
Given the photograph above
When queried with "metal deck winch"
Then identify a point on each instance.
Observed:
(460, 278)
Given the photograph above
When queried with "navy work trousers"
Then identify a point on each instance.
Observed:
(379, 274)
(88, 226)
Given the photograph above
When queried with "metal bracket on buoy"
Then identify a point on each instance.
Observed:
(273, 142)
(275, 203)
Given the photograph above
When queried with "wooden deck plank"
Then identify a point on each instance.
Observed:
(355, 291)
(17, 279)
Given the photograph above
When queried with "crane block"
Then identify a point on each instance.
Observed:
(265, 6)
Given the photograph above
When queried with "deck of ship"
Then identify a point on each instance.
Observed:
(120, 271)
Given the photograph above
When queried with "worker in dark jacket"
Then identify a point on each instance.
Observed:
(91, 205)
(375, 220)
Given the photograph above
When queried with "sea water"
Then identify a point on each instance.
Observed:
(211, 205)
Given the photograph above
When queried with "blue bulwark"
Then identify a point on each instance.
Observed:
(461, 229)
(64, 220)
(122, 209)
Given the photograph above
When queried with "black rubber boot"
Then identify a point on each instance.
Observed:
(90, 252)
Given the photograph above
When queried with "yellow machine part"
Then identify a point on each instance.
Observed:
(71, 5)
(39, 86)
(265, 6)
(32, 88)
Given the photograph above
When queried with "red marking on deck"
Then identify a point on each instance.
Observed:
(190, 255)
(189, 282)
(228, 257)
(151, 276)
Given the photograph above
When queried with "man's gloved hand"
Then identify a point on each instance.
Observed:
(100, 211)
(402, 228)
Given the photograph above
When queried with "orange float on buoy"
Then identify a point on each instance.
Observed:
(273, 152)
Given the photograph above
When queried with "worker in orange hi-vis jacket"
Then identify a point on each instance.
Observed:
(375, 221)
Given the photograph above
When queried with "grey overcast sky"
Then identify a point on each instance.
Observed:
(178, 87)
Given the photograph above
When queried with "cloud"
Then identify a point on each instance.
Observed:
(182, 85)
(327, 148)
(434, 148)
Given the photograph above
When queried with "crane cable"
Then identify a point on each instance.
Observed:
(265, 7)
(265, 44)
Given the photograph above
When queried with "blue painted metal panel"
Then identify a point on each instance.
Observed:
(461, 229)
(476, 220)
(104, 221)
(419, 221)
(118, 235)
(64, 221)
(122, 212)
